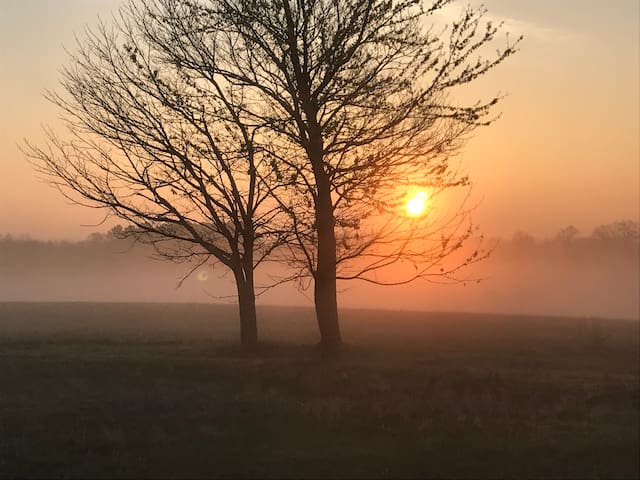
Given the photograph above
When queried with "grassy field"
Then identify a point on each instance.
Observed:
(134, 390)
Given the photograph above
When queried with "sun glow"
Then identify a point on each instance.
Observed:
(417, 204)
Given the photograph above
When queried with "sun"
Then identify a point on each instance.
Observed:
(417, 204)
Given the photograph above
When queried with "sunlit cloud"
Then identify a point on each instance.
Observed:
(535, 31)
(514, 26)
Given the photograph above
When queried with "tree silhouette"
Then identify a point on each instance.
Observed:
(567, 235)
(164, 151)
(622, 230)
(237, 126)
(354, 97)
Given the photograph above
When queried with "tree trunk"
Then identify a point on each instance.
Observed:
(325, 295)
(325, 292)
(247, 309)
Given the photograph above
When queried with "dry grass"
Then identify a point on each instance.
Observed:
(92, 390)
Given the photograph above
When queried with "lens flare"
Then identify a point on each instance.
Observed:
(202, 276)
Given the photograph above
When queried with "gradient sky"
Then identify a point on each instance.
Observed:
(565, 151)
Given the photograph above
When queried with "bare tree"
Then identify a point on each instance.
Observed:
(622, 230)
(356, 98)
(329, 110)
(567, 235)
(165, 151)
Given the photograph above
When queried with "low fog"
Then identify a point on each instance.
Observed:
(594, 275)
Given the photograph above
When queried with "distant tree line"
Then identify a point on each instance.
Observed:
(559, 274)
(621, 231)
(22, 250)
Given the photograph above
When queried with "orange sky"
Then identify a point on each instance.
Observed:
(566, 150)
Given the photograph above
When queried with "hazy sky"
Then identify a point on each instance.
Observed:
(566, 150)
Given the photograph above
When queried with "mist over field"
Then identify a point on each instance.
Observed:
(591, 276)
